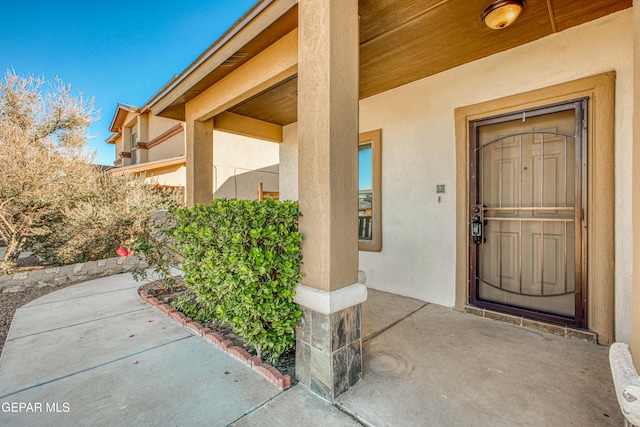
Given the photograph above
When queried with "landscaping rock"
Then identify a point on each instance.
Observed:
(68, 274)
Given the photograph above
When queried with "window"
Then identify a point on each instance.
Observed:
(134, 140)
(369, 191)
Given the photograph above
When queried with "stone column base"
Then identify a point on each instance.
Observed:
(329, 342)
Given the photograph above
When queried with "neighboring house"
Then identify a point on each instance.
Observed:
(502, 160)
(154, 146)
(149, 145)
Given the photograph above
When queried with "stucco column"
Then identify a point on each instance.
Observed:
(625, 359)
(199, 136)
(635, 325)
(329, 354)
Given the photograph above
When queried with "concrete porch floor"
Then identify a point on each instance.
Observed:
(428, 365)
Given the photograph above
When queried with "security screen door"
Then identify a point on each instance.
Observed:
(526, 213)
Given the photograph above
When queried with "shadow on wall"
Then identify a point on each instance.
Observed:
(238, 183)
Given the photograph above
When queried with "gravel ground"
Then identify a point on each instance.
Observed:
(11, 301)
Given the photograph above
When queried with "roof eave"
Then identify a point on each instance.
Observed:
(112, 139)
(211, 59)
(119, 116)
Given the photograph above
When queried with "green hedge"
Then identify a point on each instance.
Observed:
(242, 261)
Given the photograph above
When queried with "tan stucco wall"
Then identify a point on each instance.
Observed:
(172, 147)
(174, 176)
(240, 163)
(158, 125)
(419, 152)
(289, 163)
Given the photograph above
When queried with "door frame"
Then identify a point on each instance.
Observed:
(600, 270)
(581, 108)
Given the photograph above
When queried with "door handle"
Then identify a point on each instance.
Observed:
(476, 225)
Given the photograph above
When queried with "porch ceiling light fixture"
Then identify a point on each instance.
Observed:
(502, 13)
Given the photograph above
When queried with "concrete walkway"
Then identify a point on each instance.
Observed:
(440, 367)
(96, 354)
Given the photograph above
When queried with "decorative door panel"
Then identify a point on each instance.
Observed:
(527, 213)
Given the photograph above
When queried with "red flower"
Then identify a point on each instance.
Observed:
(124, 251)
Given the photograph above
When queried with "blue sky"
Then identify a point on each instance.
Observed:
(114, 51)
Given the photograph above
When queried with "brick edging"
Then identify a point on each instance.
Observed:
(283, 382)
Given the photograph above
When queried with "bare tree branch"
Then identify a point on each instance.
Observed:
(44, 160)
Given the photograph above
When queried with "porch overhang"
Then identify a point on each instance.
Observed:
(400, 42)
(266, 22)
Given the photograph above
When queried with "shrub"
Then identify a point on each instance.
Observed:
(242, 261)
(187, 306)
(109, 211)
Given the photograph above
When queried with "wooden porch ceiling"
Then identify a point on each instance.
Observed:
(402, 41)
(406, 40)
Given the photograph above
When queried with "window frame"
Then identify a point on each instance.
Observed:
(374, 138)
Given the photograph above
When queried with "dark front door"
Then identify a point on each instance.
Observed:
(527, 204)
